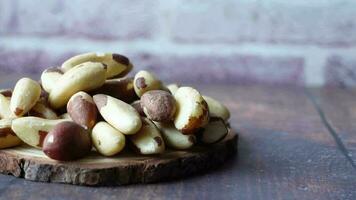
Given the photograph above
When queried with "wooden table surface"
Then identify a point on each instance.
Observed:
(295, 143)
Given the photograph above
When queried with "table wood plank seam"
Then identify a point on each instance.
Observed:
(341, 146)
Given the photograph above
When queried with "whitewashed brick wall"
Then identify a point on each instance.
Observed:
(304, 42)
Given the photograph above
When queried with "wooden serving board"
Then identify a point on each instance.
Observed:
(125, 168)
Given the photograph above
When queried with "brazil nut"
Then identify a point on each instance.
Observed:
(67, 141)
(174, 138)
(5, 111)
(7, 137)
(121, 88)
(119, 114)
(25, 95)
(107, 140)
(82, 109)
(158, 105)
(145, 81)
(84, 77)
(50, 77)
(148, 140)
(173, 88)
(192, 110)
(117, 65)
(217, 109)
(213, 132)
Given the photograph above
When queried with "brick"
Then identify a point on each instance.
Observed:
(106, 19)
(236, 68)
(243, 69)
(5, 14)
(274, 21)
(341, 71)
(29, 60)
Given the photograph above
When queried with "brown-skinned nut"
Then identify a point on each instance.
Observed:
(137, 105)
(25, 95)
(158, 105)
(192, 110)
(67, 141)
(145, 81)
(82, 109)
(117, 65)
(121, 88)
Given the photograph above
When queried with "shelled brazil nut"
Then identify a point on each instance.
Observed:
(82, 109)
(119, 114)
(192, 110)
(145, 81)
(83, 77)
(213, 132)
(173, 88)
(25, 95)
(49, 78)
(107, 140)
(174, 138)
(217, 109)
(7, 136)
(5, 111)
(148, 140)
(117, 65)
(158, 105)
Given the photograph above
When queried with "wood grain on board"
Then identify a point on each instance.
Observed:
(125, 168)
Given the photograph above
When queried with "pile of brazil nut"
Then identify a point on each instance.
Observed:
(90, 102)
